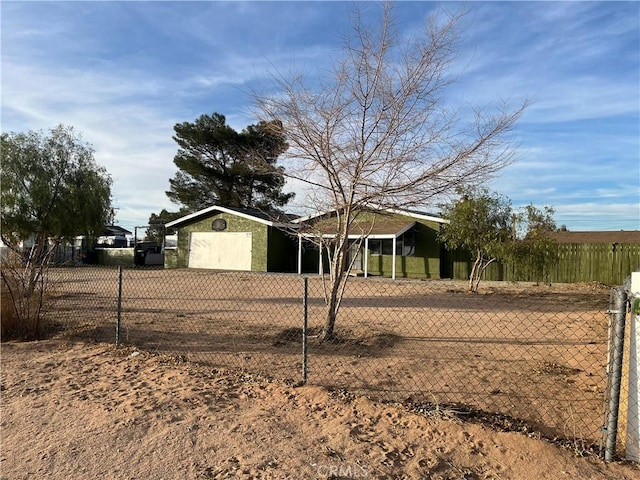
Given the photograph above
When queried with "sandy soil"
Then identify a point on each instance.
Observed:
(533, 352)
(85, 411)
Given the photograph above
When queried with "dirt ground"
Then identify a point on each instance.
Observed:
(86, 411)
(533, 352)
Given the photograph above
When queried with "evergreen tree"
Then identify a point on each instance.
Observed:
(218, 165)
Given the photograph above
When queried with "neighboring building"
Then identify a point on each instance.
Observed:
(617, 237)
(113, 247)
(228, 238)
(114, 236)
(385, 242)
(82, 249)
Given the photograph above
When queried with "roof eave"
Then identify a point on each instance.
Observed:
(205, 211)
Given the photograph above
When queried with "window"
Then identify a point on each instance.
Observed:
(374, 247)
(171, 241)
(219, 225)
(405, 245)
(381, 247)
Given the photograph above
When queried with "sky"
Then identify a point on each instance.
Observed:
(124, 73)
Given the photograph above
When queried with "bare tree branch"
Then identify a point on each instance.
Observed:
(379, 131)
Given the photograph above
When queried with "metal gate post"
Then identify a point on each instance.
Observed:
(305, 282)
(119, 306)
(620, 312)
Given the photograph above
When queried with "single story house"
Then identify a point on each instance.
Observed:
(227, 238)
(385, 242)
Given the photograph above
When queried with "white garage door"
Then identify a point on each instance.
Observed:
(220, 250)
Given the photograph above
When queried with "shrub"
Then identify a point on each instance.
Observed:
(24, 287)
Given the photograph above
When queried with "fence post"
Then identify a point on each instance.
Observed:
(632, 446)
(119, 306)
(619, 304)
(305, 282)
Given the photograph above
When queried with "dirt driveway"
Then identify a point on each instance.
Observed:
(82, 411)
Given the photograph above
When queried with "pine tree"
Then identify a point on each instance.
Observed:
(219, 166)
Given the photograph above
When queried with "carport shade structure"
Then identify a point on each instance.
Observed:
(380, 225)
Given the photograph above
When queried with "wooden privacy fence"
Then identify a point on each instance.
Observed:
(606, 263)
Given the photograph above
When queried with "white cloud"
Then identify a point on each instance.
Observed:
(124, 73)
(598, 216)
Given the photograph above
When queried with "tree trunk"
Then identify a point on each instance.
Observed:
(474, 277)
(479, 267)
(328, 334)
(337, 279)
(34, 284)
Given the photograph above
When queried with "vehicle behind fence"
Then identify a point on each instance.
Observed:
(533, 358)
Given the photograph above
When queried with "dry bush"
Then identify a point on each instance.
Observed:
(24, 289)
(9, 319)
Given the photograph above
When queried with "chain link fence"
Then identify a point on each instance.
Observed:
(532, 358)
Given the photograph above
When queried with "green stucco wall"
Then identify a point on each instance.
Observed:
(171, 258)
(425, 263)
(234, 224)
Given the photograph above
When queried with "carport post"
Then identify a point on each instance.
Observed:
(393, 260)
(366, 257)
(299, 254)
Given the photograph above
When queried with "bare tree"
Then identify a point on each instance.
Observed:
(378, 131)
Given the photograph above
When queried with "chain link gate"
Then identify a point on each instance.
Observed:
(524, 357)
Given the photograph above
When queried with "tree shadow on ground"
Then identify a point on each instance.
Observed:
(343, 342)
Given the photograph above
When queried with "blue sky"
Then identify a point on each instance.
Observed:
(124, 73)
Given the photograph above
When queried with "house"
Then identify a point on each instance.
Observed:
(114, 236)
(384, 242)
(614, 237)
(227, 238)
(396, 242)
